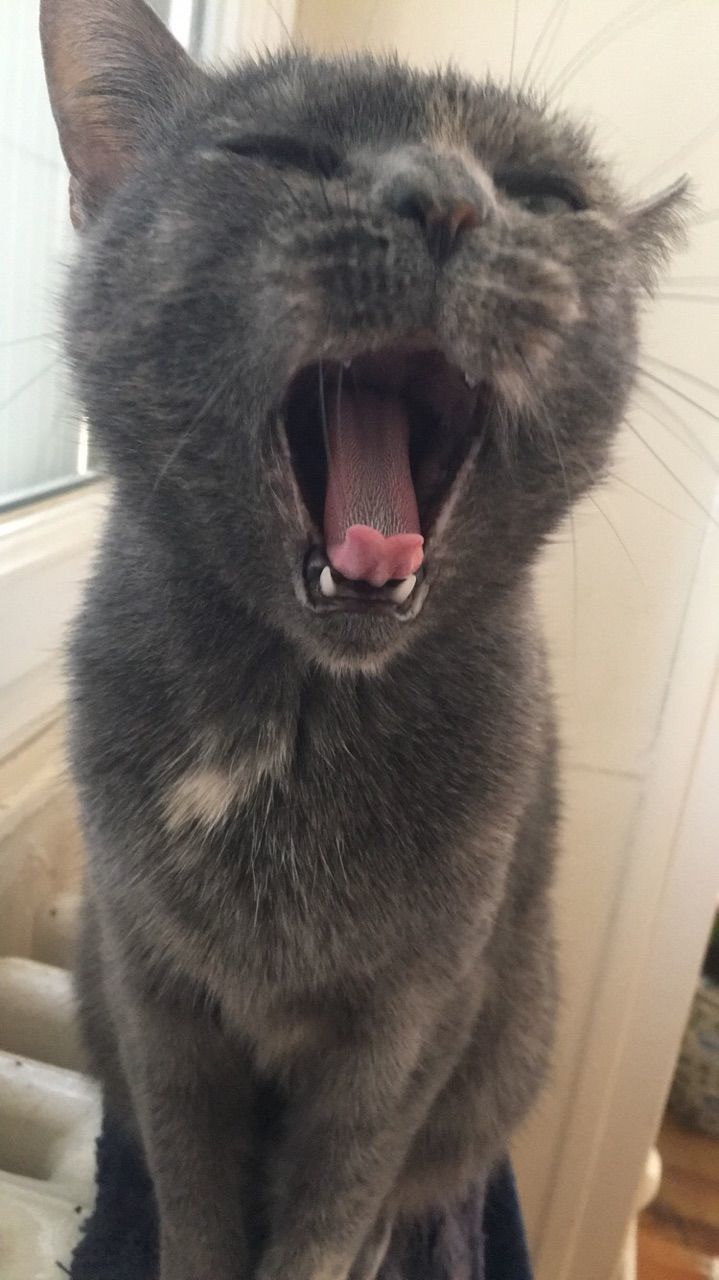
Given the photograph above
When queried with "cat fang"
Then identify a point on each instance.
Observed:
(399, 593)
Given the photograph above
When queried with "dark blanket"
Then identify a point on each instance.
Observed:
(482, 1240)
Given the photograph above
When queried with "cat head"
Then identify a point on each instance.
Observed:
(353, 338)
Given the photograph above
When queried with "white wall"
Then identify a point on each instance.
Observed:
(616, 590)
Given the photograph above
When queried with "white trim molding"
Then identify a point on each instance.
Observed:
(45, 553)
(180, 20)
(251, 27)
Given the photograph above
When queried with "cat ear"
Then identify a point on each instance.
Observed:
(113, 73)
(657, 227)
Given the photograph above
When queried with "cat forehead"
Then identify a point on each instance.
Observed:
(360, 102)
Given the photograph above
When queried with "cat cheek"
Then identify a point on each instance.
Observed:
(510, 330)
(519, 385)
(523, 359)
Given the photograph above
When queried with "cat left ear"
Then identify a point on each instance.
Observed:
(113, 73)
(657, 227)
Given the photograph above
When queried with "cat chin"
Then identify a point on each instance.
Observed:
(352, 644)
(352, 640)
(343, 665)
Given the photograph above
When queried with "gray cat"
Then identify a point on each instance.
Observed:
(353, 340)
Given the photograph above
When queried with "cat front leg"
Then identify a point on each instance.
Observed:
(372, 1254)
(194, 1102)
(351, 1117)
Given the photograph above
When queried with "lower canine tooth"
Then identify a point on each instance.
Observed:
(404, 589)
(328, 587)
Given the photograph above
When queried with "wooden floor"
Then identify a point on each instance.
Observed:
(679, 1232)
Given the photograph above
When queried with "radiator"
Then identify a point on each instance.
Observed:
(49, 1114)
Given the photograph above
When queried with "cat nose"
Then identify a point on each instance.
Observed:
(443, 224)
(442, 191)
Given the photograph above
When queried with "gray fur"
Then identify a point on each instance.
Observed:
(317, 970)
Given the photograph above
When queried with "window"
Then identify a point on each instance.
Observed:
(44, 442)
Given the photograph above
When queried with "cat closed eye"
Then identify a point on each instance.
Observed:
(541, 193)
(284, 152)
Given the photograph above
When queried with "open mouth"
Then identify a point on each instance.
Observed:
(377, 445)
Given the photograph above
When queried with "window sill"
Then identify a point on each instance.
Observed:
(45, 552)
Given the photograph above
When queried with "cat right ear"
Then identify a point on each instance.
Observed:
(113, 74)
(657, 227)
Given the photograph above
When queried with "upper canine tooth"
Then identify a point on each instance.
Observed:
(404, 589)
(328, 586)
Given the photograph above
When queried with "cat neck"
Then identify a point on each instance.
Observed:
(221, 660)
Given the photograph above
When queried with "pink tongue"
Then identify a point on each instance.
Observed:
(371, 518)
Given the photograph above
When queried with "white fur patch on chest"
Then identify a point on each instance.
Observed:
(203, 794)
